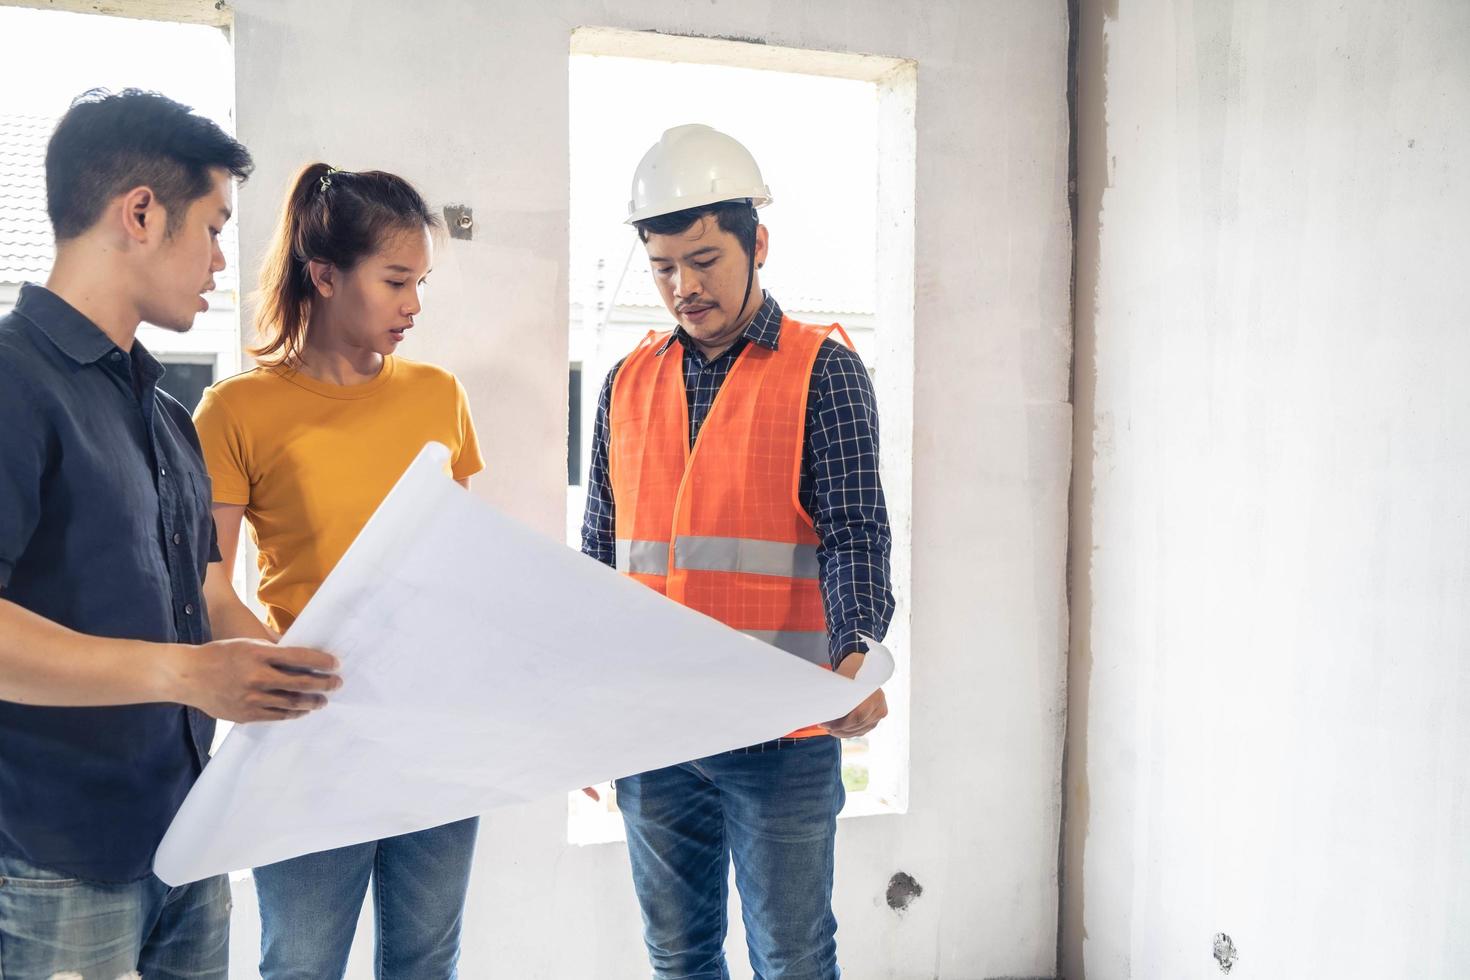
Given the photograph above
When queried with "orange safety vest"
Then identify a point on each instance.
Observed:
(719, 527)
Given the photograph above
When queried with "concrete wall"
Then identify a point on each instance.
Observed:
(470, 100)
(1271, 554)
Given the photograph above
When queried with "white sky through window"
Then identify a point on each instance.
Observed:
(52, 56)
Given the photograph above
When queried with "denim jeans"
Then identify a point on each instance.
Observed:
(309, 906)
(772, 809)
(51, 923)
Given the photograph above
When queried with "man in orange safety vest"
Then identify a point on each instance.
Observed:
(735, 470)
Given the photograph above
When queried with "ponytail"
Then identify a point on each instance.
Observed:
(333, 216)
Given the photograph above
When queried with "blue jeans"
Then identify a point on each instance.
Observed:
(771, 808)
(52, 923)
(309, 906)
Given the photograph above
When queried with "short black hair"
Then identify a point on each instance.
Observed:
(736, 217)
(109, 143)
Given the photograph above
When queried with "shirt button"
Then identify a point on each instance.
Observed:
(162, 471)
(117, 355)
(188, 609)
(178, 538)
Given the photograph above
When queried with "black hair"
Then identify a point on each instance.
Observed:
(334, 216)
(736, 217)
(107, 144)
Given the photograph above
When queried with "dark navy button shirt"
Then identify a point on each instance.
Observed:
(105, 528)
(839, 483)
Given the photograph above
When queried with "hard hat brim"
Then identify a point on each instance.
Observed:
(758, 197)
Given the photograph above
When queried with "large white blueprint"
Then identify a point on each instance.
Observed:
(482, 665)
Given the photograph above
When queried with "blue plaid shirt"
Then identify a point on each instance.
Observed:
(839, 476)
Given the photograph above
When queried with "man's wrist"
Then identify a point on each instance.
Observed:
(848, 667)
(171, 674)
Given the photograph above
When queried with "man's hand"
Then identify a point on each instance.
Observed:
(252, 680)
(865, 717)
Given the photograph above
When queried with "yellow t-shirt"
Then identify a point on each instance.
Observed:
(311, 461)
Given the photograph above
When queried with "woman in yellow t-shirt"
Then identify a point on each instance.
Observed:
(304, 448)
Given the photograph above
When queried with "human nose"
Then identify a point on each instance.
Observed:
(686, 284)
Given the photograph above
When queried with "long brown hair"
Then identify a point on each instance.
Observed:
(335, 216)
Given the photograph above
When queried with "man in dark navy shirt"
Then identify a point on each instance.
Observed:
(109, 681)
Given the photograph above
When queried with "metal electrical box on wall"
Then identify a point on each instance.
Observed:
(460, 219)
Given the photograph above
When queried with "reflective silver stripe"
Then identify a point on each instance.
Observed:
(811, 646)
(643, 557)
(704, 554)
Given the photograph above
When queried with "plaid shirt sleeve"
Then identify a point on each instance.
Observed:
(598, 523)
(841, 490)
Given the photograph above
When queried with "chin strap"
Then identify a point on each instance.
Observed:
(750, 265)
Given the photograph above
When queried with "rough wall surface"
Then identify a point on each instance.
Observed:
(1271, 551)
(470, 101)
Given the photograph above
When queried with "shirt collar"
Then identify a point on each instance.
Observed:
(764, 328)
(73, 334)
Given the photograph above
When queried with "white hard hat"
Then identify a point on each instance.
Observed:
(691, 166)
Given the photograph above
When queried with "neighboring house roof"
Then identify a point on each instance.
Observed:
(829, 288)
(833, 278)
(26, 249)
(26, 246)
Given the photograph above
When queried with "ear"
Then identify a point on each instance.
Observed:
(142, 217)
(323, 276)
(762, 245)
